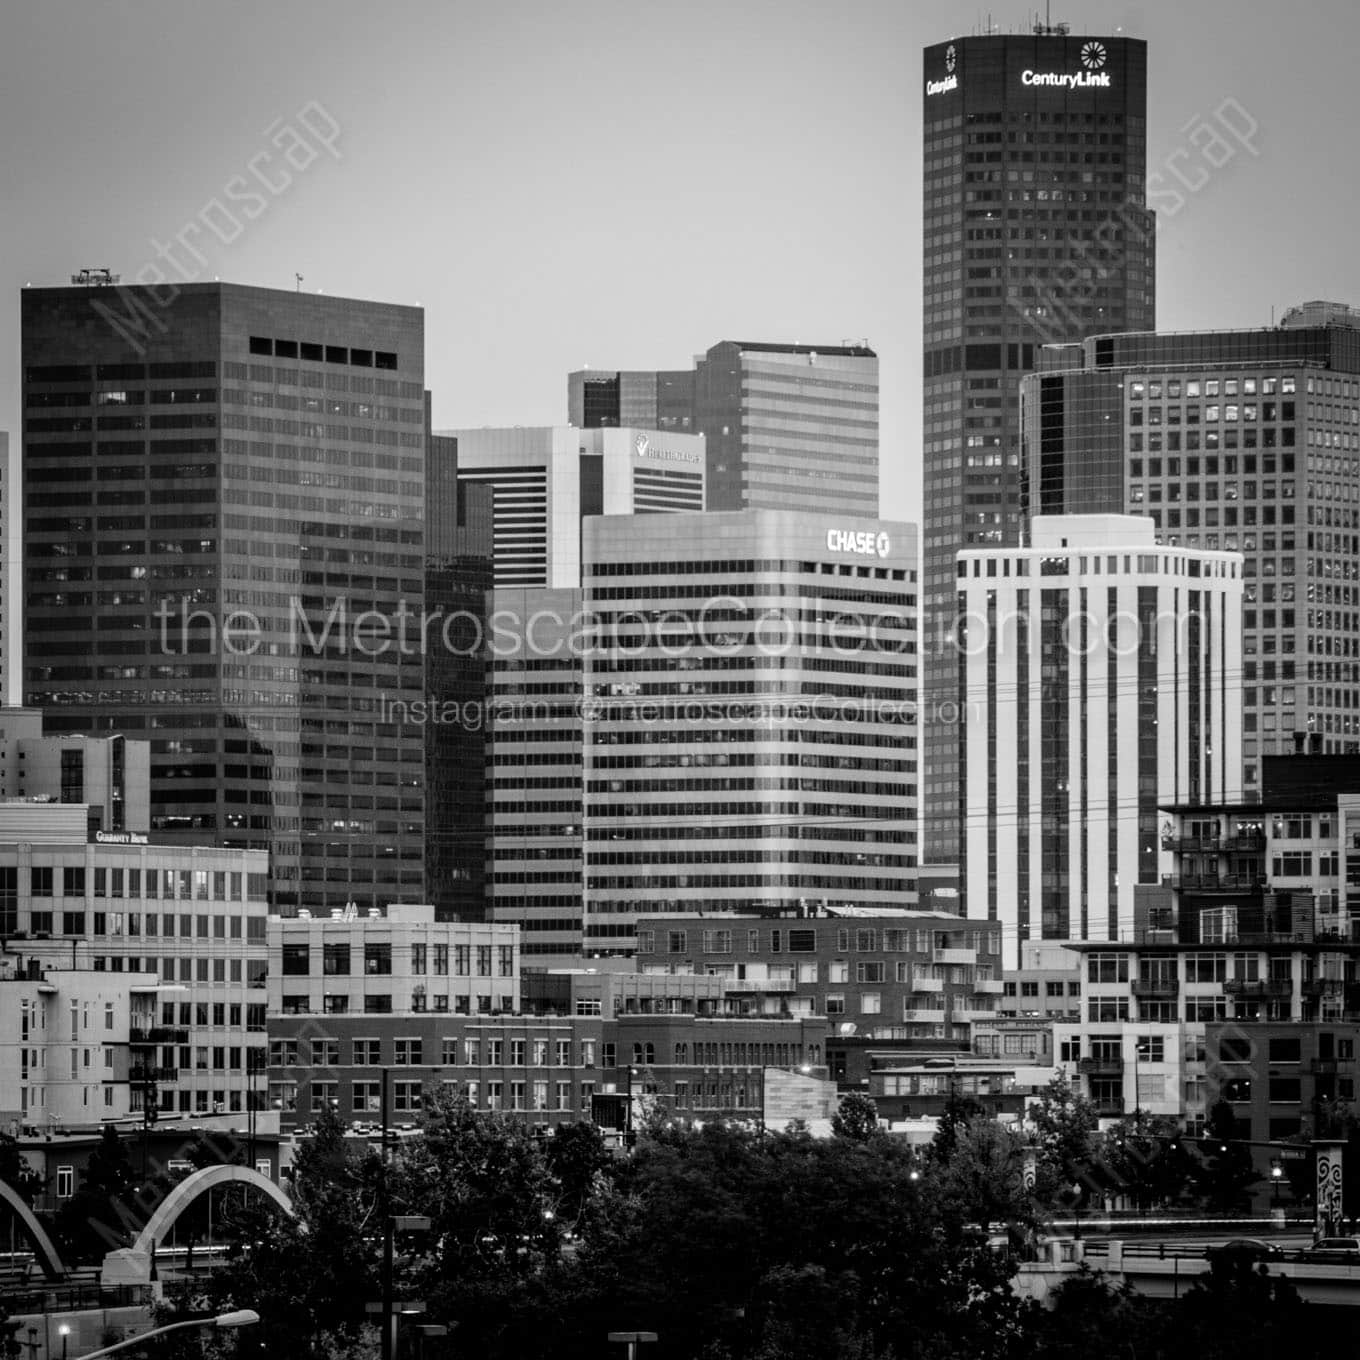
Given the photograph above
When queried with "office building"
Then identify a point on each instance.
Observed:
(750, 719)
(186, 922)
(785, 427)
(1035, 230)
(545, 480)
(1240, 440)
(1097, 680)
(223, 538)
(11, 564)
(458, 551)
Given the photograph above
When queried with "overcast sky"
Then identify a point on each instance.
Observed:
(623, 184)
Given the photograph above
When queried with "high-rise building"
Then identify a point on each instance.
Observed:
(224, 524)
(750, 720)
(545, 479)
(786, 427)
(1230, 440)
(11, 564)
(458, 550)
(1098, 676)
(1035, 230)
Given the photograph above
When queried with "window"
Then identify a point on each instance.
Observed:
(1107, 968)
(326, 1052)
(406, 1096)
(368, 1052)
(441, 960)
(365, 1097)
(517, 1048)
(377, 959)
(717, 941)
(418, 954)
(802, 941)
(835, 1003)
(869, 972)
(66, 1182)
(676, 941)
(296, 960)
(406, 1052)
(1284, 1051)
(1150, 1048)
(335, 960)
(323, 1095)
(1285, 1090)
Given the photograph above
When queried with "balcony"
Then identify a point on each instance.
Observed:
(955, 956)
(990, 987)
(1108, 1065)
(159, 1034)
(1211, 882)
(1156, 989)
(736, 986)
(920, 1017)
(1315, 987)
(1323, 1067)
(1108, 1107)
(966, 1013)
(149, 1076)
(1235, 843)
(927, 984)
(1270, 989)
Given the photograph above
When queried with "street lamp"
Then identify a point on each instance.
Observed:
(64, 1332)
(631, 1340)
(240, 1317)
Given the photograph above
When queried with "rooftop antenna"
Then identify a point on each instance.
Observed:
(95, 278)
(298, 277)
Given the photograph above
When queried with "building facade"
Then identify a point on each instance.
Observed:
(214, 491)
(1237, 440)
(401, 962)
(1097, 680)
(891, 976)
(750, 731)
(785, 427)
(186, 922)
(544, 480)
(1035, 231)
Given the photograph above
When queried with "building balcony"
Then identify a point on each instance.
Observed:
(965, 1012)
(1108, 1107)
(927, 984)
(149, 1076)
(1235, 843)
(1323, 1067)
(765, 986)
(1212, 882)
(1322, 987)
(1110, 1065)
(990, 987)
(922, 1017)
(1153, 989)
(955, 956)
(159, 1034)
(1270, 989)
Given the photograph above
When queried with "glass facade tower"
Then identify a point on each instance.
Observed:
(223, 530)
(1035, 232)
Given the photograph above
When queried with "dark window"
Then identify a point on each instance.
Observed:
(335, 960)
(297, 960)
(1284, 1050)
(802, 941)
(377, 958)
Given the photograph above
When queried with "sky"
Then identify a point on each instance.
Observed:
(622, 185)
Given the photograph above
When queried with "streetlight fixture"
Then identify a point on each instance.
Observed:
(64, 1331)
(240, 1317)
(631, 1340)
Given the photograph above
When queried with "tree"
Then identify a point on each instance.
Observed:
(959, 1112)
(1144, 1159)
(1225, 1170)
(102, 1213)
(578, 1159)
(1064, 1123)
(16, 1172)
(983, 1180)
(856, 1117)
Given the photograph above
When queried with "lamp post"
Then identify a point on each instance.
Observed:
(64, 1331)
(240, 1317)
(632, 1340)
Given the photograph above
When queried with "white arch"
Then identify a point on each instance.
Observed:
(189, 1189)
(37, 1235)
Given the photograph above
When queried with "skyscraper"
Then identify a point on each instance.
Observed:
(223, 530)
(786, 427)
(1244, 440)
(543, 480)
(1035, 231)
(1100, 679)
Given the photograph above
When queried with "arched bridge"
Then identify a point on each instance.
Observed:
(37, 1236)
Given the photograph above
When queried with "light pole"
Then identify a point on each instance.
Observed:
(64, 1332)
(632, 1340)
(241, 1317)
